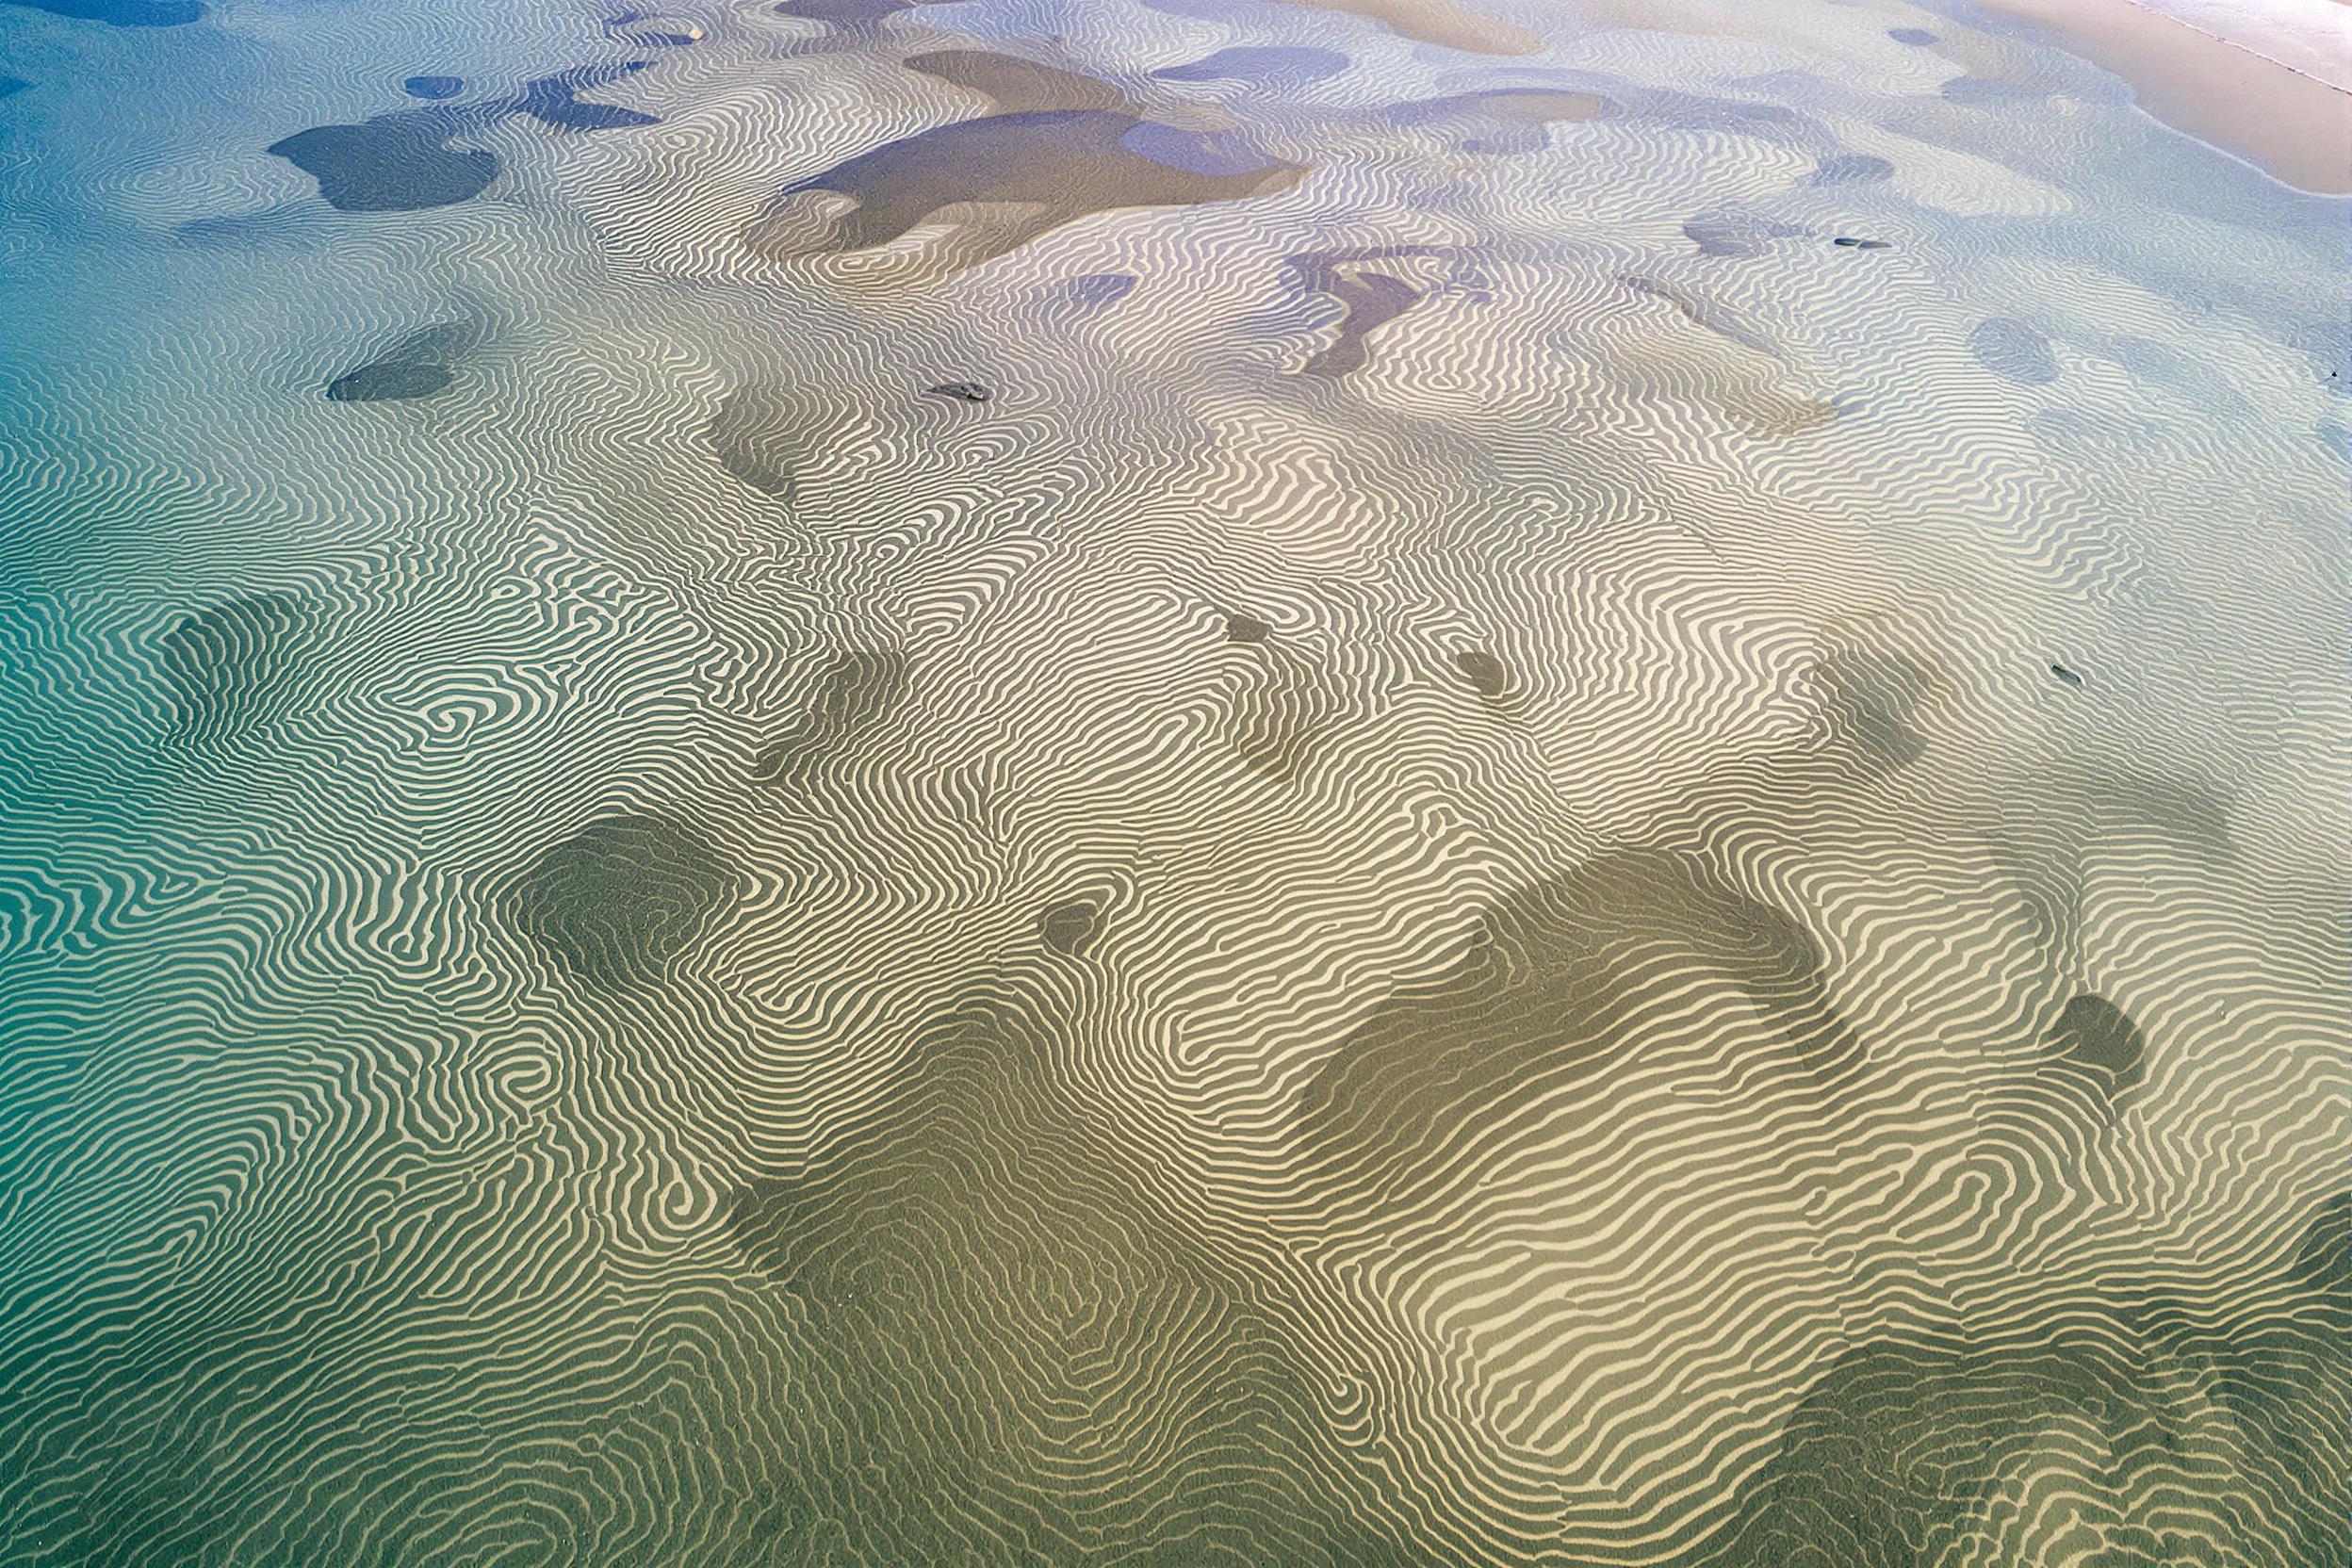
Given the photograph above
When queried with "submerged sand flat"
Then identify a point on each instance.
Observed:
(866, 784)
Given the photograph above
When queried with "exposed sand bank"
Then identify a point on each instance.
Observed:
(2269, 81)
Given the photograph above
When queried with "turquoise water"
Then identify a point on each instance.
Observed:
(1211, 783)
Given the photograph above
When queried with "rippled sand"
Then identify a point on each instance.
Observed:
(1283, 785)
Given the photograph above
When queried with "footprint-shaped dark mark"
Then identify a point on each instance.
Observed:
(417, 366)
(962, 391)
(1700, 312)
(1485, 673)
(1069, 927)
(2010, 349)
(433, 88)
(2066, 676)
(1735, 232)
(122, 13)
(231, 666)
(1852, 243)
(2095, 1035)
(1285, 707)
(1247, 628)
(1852, 168)
(397, 162)
(861, 688)
(1012, 177)
(618, 901)
(555, 100)
(1017, 85)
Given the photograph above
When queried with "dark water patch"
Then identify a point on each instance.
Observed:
(960, 391)
(122, 13)
(555, 100)
(2010, 349)
(1000, 1288)
(1555, 991)
(1869, 700)
(648, 29)
(1210, 153)
(230, 667)
(860, 690)
(615, 903)
(393, 163)
(1989, 92)
(1917, 37)
(418, 365)
(1071, 926)
(1853, 242)
(1260, 65)
(434, 88)
(1038, 170)
(1735, 231)
(2094, 1034)
(2065, 675)
(1247, 628)
(2323, 1260)
(760, 437)
(844, 13)
(1098, 289)
(1485, 673)
(1017, 85)
(12, 86)
(1851, 169)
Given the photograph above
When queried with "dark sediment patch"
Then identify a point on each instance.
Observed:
(961, 391)
(1259, 64)
(1851, 169)
(2065, 675)
(230, 666)
(417, 366)
(2095, 1035)
(844, 13)
(1284, 708)
(1012, 177)
(1555, 991)
(1852, 243)
(617, 902)
(1367, 299)
(1916, 37)
(1071, 926)
(12, 86)
(1483, 671)
(122, 13)
(556, 101)
(2013, 351)
(1017, 85)
(433, 88)
(392, 163)
(860, 690)
(1247, 628)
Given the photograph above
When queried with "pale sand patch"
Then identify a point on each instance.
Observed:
(2225, 90)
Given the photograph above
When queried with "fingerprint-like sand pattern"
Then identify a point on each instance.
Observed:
(1303, 787)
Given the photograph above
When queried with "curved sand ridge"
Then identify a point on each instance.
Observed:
(1476, 855)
